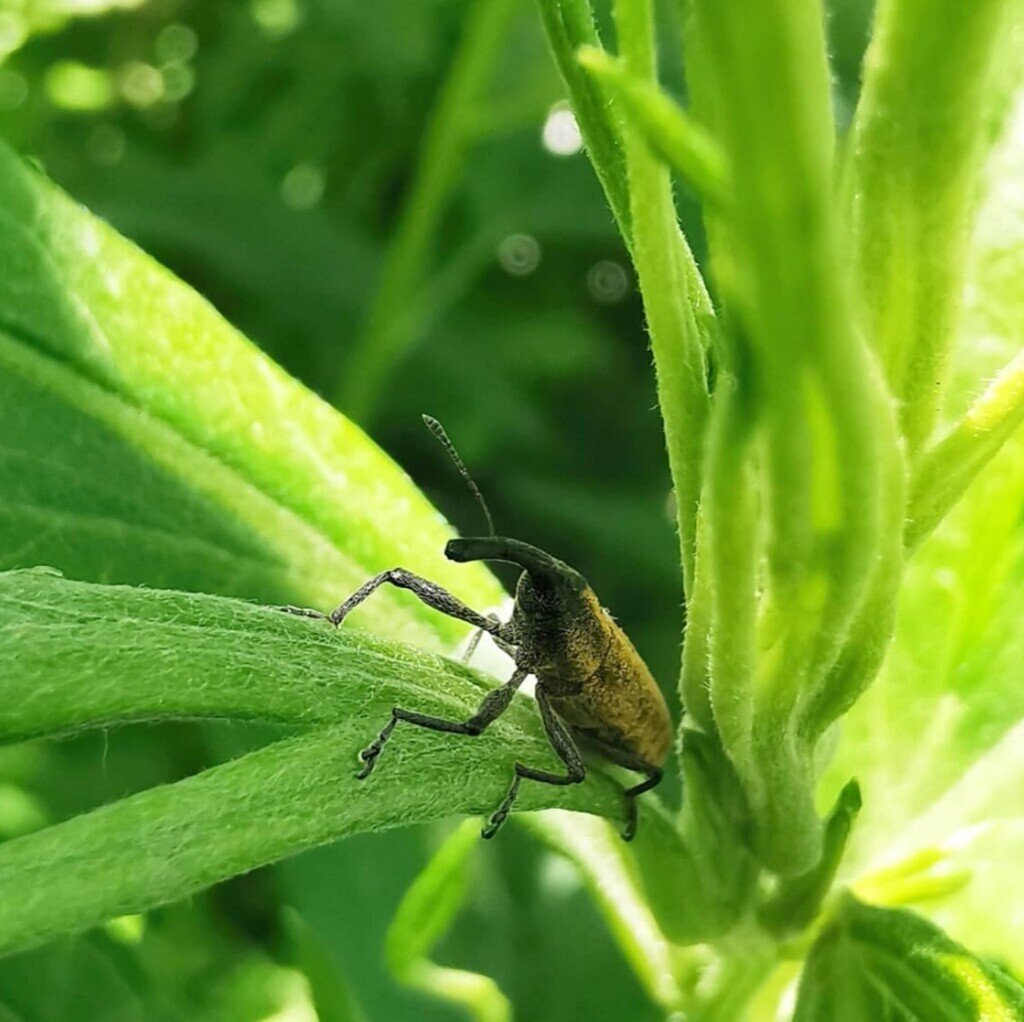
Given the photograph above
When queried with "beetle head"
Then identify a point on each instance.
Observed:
(547, 584)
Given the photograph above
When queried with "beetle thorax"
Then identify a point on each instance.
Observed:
(562, 633)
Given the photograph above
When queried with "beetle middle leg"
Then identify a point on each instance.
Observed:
(564, 746)
(494, 704)
(475, 638)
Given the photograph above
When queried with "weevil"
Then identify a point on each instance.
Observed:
(592, 687)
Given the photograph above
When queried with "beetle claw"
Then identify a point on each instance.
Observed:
(628, 832)
(368, 764)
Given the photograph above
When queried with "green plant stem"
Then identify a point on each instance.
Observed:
(170, 841)
(638, 188)
(760, 81)
(917, 155)
(393, 322)
(764, 94)
(569, 25)
(746, 961)
(871, 630)
(676, 302)
(695, 679)
(731, 513)
(948, 467)
(797, 900)
(667, 129)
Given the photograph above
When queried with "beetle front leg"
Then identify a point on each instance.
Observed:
(428, 592)
(491, 707)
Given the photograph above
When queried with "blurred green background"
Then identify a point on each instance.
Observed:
(263, 150)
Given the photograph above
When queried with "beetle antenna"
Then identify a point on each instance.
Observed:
(442, 438)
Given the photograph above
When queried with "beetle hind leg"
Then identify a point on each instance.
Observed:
(631, 761)
(654, 776)
(565, 748)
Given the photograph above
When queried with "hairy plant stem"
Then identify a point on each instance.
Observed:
(916, 157)
(676, 301)
(570, 26)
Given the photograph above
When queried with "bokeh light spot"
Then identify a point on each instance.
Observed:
(13, 89)
(74, 86)
(178, 81)
(276, 17)
(561, 134)
(607, 281)
(519, 254)
(106, 145)
(13, 32)
(128, 930)
(141, 84)
(176, 44)
(303, 186)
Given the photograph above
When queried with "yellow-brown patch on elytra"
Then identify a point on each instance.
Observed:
(616, 696)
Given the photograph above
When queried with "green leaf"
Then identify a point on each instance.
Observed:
(958, 856)
(885, 964)
(935, 742)
(88, 655)
(803, 450)
(797, 899)
(917, 154)
(140, 650)
(77, 979)
(242, 482)
(425, 914)
(950, 465)
(329, 991)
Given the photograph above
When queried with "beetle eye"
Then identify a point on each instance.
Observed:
(579, 583)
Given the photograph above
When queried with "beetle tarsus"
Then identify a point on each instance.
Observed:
(303, 612)
(654, 775)
(500, 815)
(373, 750)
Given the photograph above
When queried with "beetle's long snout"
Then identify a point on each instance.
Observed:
(542, 567)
